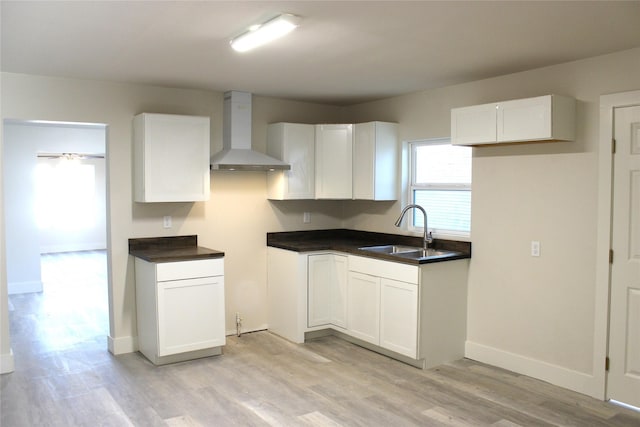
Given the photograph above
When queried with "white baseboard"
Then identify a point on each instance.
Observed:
(7, 363)
(554, 374)
(122, 345)
(24, 287)
(73, 247)
(231, 332)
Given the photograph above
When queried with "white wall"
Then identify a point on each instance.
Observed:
(235, 219)
(531, 315)
(24, 240)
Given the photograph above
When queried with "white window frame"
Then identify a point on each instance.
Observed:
(411, 186)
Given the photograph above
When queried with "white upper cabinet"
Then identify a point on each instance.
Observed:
(293, 143)
(334, 147)
(375, 161)
(171, 158)
(334, 161)
(543, 118)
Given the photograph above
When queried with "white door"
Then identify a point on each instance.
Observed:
(623, 380)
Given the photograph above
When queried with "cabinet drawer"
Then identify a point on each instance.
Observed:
(189, 269)
(387, 269)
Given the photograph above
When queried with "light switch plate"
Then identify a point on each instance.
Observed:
(166, 221)
(535, 248)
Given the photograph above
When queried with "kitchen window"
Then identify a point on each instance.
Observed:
(440, 182)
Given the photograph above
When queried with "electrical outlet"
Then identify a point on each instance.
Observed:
(166, 221)
(535, 248)
(306, 217)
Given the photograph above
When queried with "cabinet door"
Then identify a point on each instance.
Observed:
(338, 297)
(399, 317)
(363, 302)
(375, 161)
(190, 315)
(320, 278)
(171, 158)
(473, 125)
(524, 119)
(293, 143)
(334, 145)
(287, 293)
(327, 290)
(364, 152)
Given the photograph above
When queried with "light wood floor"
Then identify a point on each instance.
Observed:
(65, 377)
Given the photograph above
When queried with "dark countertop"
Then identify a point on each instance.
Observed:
(170, 249)
(344, 240)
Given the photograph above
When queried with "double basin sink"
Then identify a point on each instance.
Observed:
(411, 252)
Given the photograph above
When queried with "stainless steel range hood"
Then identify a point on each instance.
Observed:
(236, 151)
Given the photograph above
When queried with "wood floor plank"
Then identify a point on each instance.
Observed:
(318, 419)
(443, 416)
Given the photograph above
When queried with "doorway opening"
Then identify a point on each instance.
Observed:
(55, 215)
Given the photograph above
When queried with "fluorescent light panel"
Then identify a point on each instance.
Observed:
(264, 33)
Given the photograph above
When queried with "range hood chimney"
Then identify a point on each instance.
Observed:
(236, 151)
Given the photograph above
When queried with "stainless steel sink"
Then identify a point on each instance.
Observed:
(408, 251)
(391, 249)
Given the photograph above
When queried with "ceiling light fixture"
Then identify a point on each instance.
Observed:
(260, 34)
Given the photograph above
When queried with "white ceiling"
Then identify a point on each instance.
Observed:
(344, 52)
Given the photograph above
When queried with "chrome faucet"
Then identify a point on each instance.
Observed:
(427, 238)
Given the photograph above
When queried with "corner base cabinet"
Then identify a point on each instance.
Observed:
(413, 313)
(180, 309)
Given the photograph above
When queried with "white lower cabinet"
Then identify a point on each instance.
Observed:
(327, 286)
(418, 313)
(180, 309)
(305, 292)
(415, 313)
(383, 304)
(364, 307)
